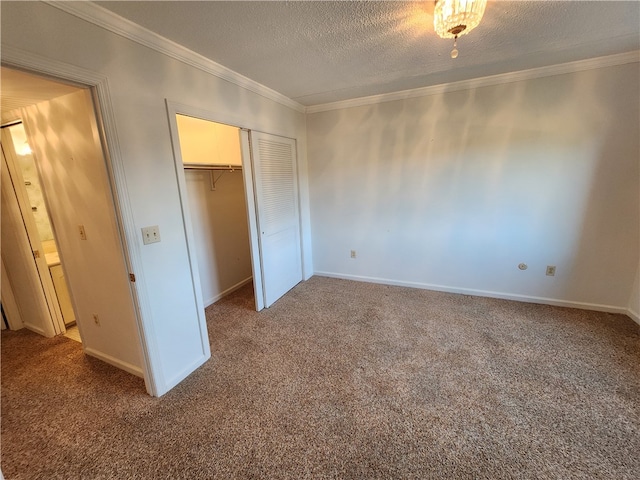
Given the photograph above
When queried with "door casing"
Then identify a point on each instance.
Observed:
(175, 108)
(16, 58)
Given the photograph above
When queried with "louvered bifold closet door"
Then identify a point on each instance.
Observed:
(276, 190)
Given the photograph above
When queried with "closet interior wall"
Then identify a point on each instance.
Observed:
(217, 205)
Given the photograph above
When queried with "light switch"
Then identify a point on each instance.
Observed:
(150, 235)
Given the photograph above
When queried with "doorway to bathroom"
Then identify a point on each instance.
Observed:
(23, 186)
(74, 269)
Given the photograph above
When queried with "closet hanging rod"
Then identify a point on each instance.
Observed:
(202, 166)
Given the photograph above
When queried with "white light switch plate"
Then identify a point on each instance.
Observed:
(150, 234)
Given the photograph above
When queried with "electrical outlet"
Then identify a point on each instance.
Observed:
(150, 235)
(551, 270)
(96, 320)
(83, 234)
(353, 254)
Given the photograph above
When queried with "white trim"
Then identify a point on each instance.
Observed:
(12, 56)
(635, 316)
(121, 26)
(229, 290)
(548, 71)
(252, 216)
(125, 28)
(38, 330)
(184, 373)
(127, 367)
(480, 293)
(230, 119)
(187, 227)
(151, 357)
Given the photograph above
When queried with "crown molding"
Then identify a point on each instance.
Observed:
(547, 71)
(108, 20)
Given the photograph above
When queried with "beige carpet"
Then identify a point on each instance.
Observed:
(342, 380)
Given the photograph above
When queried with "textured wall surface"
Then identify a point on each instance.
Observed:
(453, 191)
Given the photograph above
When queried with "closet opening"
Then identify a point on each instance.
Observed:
(216, 205)
(262, 244)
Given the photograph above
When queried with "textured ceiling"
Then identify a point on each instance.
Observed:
(319, 52)
(20, 89)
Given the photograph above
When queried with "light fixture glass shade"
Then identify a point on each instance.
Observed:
(24, 150)
(452, 18)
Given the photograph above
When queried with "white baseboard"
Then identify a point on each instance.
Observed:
(184, 373)
(482, 293)
(240, 284)
(635, 316)
(127, 367)
(37, 330)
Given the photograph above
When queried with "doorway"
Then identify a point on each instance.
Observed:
(62, 129)
(27, 188)
(269, 172)
(216, 204)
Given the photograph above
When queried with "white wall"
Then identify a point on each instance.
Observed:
(220, 230)
(208, 143)
(219, 214)
(140, 79)
(634, 299)
(453, 191)
(64, 136)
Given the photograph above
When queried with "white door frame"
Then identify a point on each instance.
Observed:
(20, 59)
(173, 109)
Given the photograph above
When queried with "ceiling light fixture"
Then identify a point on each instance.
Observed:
(452, 18)
(24, 150)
